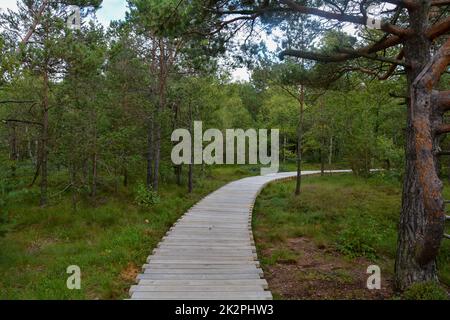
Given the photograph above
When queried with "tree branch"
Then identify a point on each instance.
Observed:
(393, 67)
(34, 24)
(442, 100)
(316, 56)
(375, 57)
(431, 74)
(361, 20)
(443, 128)
(402, 3)
(438, 29)
(378, 46)
(439, 3)
(343, 55)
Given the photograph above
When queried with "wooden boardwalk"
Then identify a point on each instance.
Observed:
(210, 253)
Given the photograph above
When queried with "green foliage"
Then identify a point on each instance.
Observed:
(426, 291)
(392, 177)
(145, 197)
(359, 238)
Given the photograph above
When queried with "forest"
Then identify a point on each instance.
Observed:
(87, 112)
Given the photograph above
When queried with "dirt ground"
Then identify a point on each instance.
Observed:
(321, 273)
(130, 272)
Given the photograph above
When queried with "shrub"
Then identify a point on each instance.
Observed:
(426, 291)
(387, 177)
(146, 197)
(359, 238)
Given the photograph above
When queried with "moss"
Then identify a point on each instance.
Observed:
(426, 291)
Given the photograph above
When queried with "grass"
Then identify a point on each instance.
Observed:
(108, 240)
(354, 218)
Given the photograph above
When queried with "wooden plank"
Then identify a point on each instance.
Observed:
(210, 258)
(212, 251)
(199, 224)
(189, 295)
(201, 288)
(208, 235)
(206, 255)
(216, 242)
(173, 243)
(210, 232)
(203, 246)
(201, 266)
(221, 271)
(193, 283)
(160, 276)
(165, 260)
(198, 265)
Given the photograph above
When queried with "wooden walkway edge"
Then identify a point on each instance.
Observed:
(209, 253)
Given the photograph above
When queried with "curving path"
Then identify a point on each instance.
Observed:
(210, 253)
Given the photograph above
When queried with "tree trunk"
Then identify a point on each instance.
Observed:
(125, 177)
(30, 149)
(85, 171)
(157, 156)
(191, 164)
(322, 159)
(330, 155)
(94, 158)
(176, 168)
(150, 154)
(14, 156)
(44, 141)
(94, 175)
(178, 172)
(299, 143)
(422, 216)
(162, 86)
(191, 178)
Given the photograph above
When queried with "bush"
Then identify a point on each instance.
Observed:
(359, 237)
(426, 291)
(392, 177)
(146, 197)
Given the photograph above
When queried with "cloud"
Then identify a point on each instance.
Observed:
(8, 4)
(111, 10)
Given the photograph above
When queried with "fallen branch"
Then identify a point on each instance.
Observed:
(16, 101)
(22, 121)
